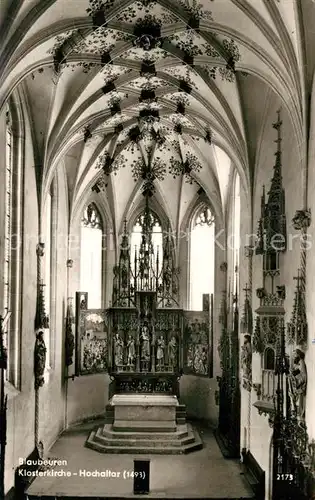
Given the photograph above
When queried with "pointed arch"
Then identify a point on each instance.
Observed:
(236, 225)
(92, 255)
(11, 180)
(201, 253)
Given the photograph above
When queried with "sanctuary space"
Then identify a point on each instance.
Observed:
(156, 253)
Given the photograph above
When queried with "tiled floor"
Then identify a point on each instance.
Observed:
(201, 474)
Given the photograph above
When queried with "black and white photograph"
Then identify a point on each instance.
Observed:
(157, 180)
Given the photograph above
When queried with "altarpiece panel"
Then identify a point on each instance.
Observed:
(92, 340)
(140, 339)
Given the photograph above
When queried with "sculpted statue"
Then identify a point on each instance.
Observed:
(69, 345)
(160, 351)
(299, 374)
(246, 357)
(172, 352)
(118, 350)
(131, 350)
(39, 359)
(301, 219)
(145, 347)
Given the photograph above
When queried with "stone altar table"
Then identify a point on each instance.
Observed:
(144, 423)
(155, 412)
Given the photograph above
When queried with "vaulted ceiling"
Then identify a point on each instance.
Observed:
(162, 96)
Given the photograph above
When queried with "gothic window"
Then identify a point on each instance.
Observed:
(157, 237)
(91, 256)
(236, 226)
(8, 219)
(11, 302)
(49, 240)
(201, 256)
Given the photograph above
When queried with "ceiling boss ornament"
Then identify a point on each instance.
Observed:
(147, 32)
(185, 167)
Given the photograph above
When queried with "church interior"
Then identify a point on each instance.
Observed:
(156, 251)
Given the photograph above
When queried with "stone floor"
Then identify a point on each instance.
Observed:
(201, 474)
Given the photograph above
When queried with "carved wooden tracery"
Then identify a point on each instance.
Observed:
(140, 338)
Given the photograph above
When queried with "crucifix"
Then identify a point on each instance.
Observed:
(246, 290)
(277, 126)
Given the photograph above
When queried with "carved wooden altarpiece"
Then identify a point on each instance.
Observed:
(145, 322)
(139, 340)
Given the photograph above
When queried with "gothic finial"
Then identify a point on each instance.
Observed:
(277, 125)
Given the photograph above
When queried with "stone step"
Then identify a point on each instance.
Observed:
(180, 450)
(144, 425)
(97, 441)
(142, 443)
(181, 432)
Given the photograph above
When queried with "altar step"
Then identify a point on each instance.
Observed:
(181, 432)
(143, 426)
(106, 440)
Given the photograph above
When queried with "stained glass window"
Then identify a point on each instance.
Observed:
(91, 256)
(202, 239)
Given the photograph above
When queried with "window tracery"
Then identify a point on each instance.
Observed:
(8, 222)
(12, 207)
(91, 262)
(201, 261)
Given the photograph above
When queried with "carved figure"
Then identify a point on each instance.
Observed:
(200, 360)
(118, 350)
(301, 219)
(145, 42)
(145, 347)
(299, 374)
(160, 351)
(39, 359)
(69, 344)
(131, 350)
(246, 357)
(172, 352)
(83, 304)
(40, 249)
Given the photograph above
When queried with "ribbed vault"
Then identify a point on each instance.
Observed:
(133, 95)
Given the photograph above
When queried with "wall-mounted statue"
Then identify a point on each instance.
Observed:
(39, 359)
(246, 357)
(145, 346)
(160, 351)
(299, 380)
(118, 350)
(69, 345)
(172, 352)
(131, 350)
